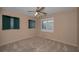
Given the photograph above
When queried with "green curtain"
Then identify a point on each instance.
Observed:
(16, 23)
(5, 22)
(31, 24)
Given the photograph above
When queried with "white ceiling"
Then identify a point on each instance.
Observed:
(49, 10)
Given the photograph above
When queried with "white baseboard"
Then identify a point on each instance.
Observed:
(8, 42)
(75, 45)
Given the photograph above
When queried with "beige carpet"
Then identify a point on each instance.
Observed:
(37, 44)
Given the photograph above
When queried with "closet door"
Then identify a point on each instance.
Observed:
(5, 22)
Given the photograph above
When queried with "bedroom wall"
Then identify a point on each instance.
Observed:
(78, 26)
(65, 27)
(12, 35)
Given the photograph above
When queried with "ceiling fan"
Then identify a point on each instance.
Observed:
(39, 11)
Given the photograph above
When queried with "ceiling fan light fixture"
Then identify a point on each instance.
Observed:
(36, 13)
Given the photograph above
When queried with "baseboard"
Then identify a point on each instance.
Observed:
(61, 42)
(8, 42)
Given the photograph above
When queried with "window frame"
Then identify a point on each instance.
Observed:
(31, 24)
(12, 22)
(47, 30)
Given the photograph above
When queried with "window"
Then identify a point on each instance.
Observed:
(31, 24)
(9, 22)
(47, 25)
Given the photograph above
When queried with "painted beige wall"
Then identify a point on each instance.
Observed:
(65, 28)
(78, 26)
(8, 36)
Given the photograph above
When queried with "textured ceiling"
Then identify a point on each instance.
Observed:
(49, 10)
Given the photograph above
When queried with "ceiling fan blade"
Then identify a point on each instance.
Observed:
(31, 11)
(43, 12)
(41, 9)
(37, 9)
